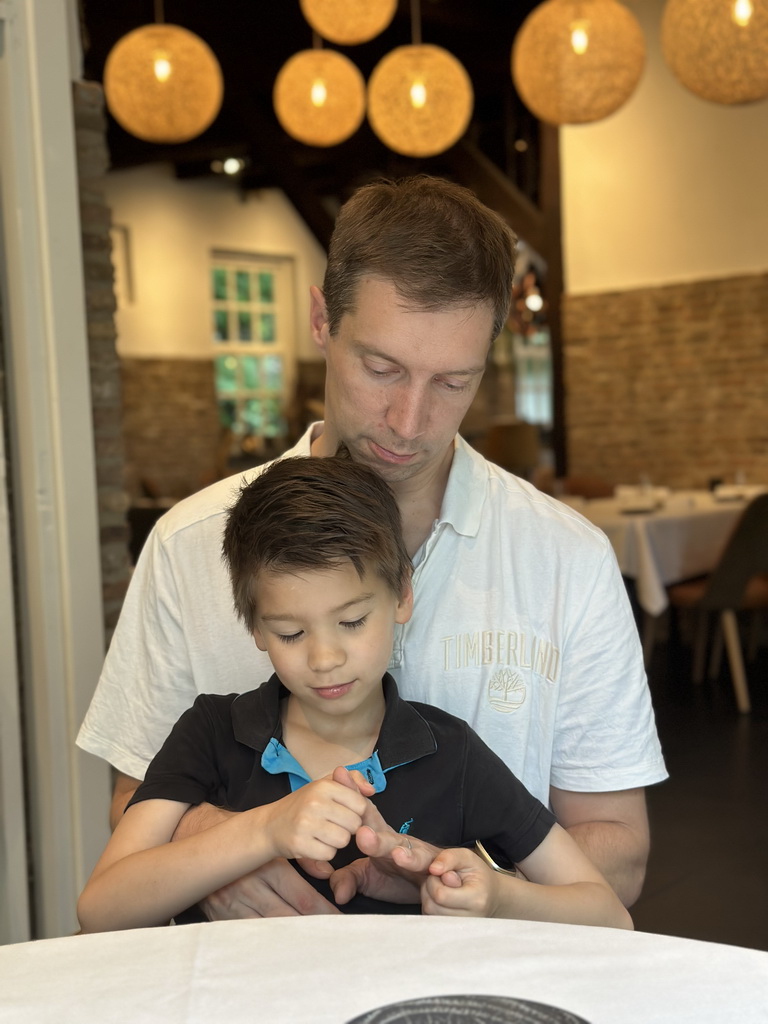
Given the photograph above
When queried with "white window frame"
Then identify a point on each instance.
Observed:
(283, 270)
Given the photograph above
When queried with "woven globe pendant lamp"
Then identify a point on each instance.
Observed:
(718, 49)
(319, 97)
(163, 84)
(577, 61)
(420, 100)
(348, 22)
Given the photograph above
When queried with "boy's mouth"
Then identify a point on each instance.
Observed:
(331, 692)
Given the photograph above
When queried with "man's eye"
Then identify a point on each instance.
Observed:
(455, 385)
(356, 624)
(380, 371)
(289, 638)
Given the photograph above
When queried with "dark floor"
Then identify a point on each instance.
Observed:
(708, 871)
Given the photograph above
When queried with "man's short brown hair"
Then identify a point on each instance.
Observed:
(433, 239)
(305, 514)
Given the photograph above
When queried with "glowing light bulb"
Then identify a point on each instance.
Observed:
(418, 94)
(742, 12)
(534, 302)
(232, 165)
(162, 66)
(318, 93)
(579, 37)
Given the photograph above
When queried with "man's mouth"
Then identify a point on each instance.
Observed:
(389, 456)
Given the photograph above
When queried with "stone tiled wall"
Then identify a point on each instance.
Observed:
(174, 443)
(669, 382)
(105, 371)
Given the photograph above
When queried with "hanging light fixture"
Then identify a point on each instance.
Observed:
(718, 48)
(575, 61)
(348, 22)
(319, 97)
(163, 83)
(420, 97)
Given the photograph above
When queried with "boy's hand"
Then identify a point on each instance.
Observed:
(320, 818)
(394, 869)
(459, 884)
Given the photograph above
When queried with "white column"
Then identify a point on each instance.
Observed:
(51, 453)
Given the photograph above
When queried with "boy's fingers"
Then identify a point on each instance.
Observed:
(454, 859)
(353, 780)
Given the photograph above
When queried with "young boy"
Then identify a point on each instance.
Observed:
(321, 578)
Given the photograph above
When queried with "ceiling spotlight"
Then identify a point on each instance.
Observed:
(232, 165)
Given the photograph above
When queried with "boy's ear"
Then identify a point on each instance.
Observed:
(405, 605)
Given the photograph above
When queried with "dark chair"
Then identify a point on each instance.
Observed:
(739, 582)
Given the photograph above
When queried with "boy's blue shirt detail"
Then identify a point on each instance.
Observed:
(276, 759)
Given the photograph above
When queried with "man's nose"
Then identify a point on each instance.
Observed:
(408, 411)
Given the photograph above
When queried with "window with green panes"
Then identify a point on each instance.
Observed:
(252, 333)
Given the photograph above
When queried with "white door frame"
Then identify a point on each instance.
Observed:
(51, 454)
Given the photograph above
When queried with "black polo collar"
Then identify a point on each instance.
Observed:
(404, 735)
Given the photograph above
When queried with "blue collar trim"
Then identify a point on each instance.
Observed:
(277, 760)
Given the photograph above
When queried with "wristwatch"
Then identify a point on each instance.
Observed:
(483, 854)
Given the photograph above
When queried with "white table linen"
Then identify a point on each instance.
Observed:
(682, 538)
(329, 969)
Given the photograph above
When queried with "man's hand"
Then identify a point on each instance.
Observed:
(275, 889)
(393, 869)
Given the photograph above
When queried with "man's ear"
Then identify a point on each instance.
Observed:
(318, 318)
(405, 605)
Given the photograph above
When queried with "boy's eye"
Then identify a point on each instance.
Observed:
(355, 624)
(289, 638)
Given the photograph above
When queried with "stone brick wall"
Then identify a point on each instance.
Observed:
(670, 382)
(92, 161)
(173, 441)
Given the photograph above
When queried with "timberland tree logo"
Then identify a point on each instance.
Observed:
(506, 691)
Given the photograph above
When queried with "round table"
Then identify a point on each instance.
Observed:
(328, 970)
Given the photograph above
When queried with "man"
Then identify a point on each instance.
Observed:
(521, 623)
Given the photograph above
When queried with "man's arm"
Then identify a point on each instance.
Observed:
(612, 829)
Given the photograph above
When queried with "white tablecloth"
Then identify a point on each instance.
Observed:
(682, 539)
(327, 970)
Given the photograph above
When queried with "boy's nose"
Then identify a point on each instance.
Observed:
(325, 655)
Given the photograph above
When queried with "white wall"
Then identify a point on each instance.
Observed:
(173, 226)
(670, 188)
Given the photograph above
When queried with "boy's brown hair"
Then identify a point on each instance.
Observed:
(303, 514)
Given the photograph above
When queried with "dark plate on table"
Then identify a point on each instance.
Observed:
(468, 1009)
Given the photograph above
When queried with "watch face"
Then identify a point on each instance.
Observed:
(460, 1009)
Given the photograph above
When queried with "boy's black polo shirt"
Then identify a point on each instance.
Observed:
(442, 783)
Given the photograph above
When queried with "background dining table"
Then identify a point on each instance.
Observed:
(662, 537)
(332, 969)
